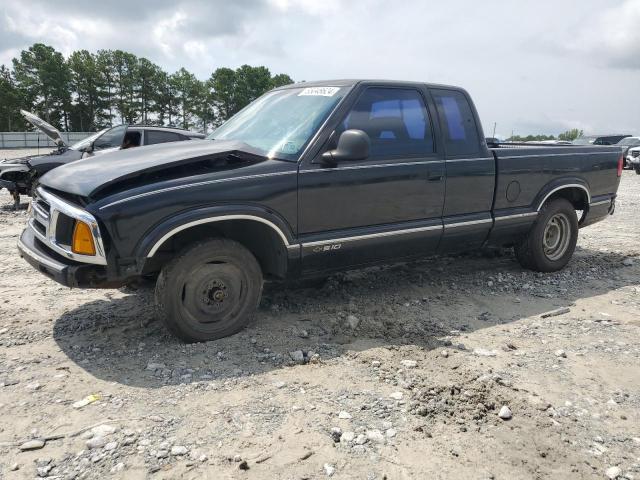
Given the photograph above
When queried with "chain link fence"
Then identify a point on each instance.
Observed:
(37, 140)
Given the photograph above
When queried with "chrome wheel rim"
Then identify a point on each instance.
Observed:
(556, 236)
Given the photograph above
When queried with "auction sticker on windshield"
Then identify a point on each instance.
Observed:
(319, 91)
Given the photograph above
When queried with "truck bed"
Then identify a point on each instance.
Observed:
(527, 175)
(532, 168)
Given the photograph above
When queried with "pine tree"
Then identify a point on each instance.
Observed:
(186, 90)
(11, 100)
(45, 79)
(87, 82)
(90, 91)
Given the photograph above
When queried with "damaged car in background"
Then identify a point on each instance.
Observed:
(20, 175)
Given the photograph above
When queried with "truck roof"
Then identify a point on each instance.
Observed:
(350, 82)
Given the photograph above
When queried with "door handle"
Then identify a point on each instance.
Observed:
(434, 177)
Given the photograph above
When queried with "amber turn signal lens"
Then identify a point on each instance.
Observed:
(83, 240)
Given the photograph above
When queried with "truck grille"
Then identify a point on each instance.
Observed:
(43, 205)
(39, 227)
(635, 154)
(40, 213)
(52, 221)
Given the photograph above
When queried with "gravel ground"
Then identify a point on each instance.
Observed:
(444, 368)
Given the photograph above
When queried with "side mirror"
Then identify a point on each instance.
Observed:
(352, 145)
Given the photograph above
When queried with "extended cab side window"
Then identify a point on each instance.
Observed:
(395, 119)
(457, 122)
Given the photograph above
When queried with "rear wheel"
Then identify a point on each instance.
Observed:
(210, 290)
(550, 243)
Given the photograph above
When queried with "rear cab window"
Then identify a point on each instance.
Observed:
(159, 136)
(396, 121)
(457, 122)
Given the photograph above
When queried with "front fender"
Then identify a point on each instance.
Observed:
(168, 227)
(13, 167)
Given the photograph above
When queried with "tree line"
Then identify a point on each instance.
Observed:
(89, 91)
(568, 136)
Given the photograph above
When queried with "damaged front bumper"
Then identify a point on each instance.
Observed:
(46, 244)
(14, 177)
(64, 271)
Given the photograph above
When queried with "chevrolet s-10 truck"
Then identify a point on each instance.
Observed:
(309, 179)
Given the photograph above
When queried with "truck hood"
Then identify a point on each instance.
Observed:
(49, 130)
(90, 176)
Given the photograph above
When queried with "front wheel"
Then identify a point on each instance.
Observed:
(637, 170)
(210, 290)
(550, 243)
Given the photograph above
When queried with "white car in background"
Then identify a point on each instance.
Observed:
(627, 144)
(633, 158)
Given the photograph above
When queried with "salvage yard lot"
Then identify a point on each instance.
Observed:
(392, 372)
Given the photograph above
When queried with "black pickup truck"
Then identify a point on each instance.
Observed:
(306, 180)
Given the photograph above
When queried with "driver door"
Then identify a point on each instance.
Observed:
(387, 206)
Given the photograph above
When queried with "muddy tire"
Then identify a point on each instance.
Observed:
(210, 290)
(550, 243)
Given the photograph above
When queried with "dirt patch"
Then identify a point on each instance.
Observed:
(390, 372)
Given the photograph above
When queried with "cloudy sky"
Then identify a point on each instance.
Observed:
(540, 67)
